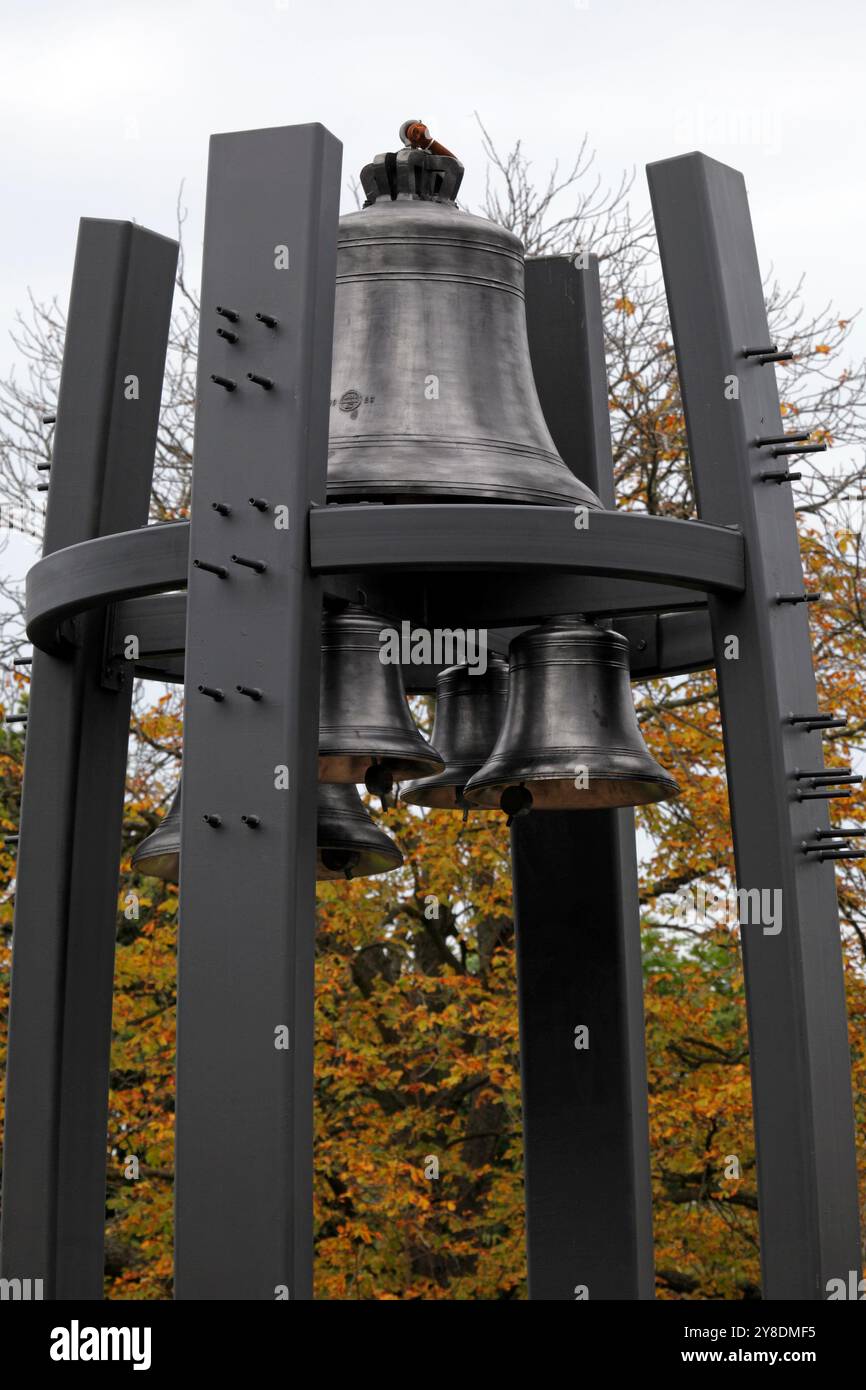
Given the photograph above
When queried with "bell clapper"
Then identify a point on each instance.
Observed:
(340, 861)
(516, 801)
(379, 782)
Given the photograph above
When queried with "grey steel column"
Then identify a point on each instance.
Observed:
(74, 777)
(245, 988)
(801, 1083)
(588, 1205)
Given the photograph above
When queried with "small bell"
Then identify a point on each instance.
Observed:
(159, 854)
(348, 842)
(570, 738)
(469, 713)
(366, 730)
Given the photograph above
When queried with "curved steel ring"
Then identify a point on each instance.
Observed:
(389, 539)
(625, 545)
(151, 560)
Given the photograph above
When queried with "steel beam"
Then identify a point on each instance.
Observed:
(247, 902)
(543, 540)
(525, 562)
(577, 918)
(74, 778)
(801, 1086)
(149, 560)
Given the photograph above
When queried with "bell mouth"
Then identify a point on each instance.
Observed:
(349, 844)
(349, 766)
(558, 793)
(164, 865)
(365, 864)
(445, 792)
(339, 861)
(560, 493)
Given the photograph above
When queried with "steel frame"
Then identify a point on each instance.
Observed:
(75, 773)
(798, 1030)
(678, 590)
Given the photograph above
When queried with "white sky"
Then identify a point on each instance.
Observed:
(107, 108)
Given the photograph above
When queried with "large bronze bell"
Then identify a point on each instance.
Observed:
(348, 843)
(432, 393)
(366, 731)
(159, 854)
(570, 738)
(469, 713)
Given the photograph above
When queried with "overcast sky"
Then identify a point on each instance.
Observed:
(107, 108)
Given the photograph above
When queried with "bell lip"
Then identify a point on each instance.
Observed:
(403, 754)
(343, 765)
(164, 864)
(407, 491)
(383, 859)
(658, 786)
(437, 793)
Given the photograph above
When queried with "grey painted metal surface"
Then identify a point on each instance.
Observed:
(153, 560)
(796, 1005)
(245, 988)
(584, 1108)
(440, 537)
(75, 769)
(588, 1200)
(527, 558)
(566, 344)
(68, 581)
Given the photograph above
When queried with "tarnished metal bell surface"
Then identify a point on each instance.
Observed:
(570, 738)
(348, 842)
(159, 854)
(469, 713)
(366, 730)
(432, 393)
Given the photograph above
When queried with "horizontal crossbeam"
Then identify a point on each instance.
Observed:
(622, 545)
(151, 560)
(534, 555)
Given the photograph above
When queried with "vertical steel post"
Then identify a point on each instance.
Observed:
(75, 768)
(245, 988)
(801, 1084)
(588, 1204)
